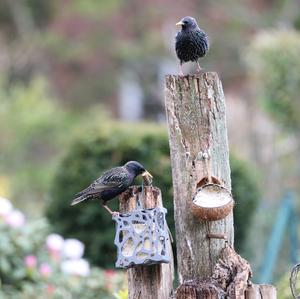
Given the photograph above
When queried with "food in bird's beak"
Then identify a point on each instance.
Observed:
(147, 174)
(180, 23)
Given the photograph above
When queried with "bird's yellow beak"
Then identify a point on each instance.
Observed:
(147, 173)
(180, 23)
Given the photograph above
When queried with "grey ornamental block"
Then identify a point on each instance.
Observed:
(142, 238)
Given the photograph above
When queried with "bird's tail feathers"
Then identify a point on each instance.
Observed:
(77, 200)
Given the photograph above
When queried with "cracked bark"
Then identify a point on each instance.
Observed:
(155, 281)
(262, 291)
(195, 108)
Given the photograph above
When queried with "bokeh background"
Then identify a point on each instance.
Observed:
(81, 90)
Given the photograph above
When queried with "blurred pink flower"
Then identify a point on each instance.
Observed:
(5, 206)
(50, 289)
(73, 249)
(15, 219)
(30, 261)
(45, 270)
(109, 275)
(76, 267)
(54, 244)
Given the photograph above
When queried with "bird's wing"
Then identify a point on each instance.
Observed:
(111, 178)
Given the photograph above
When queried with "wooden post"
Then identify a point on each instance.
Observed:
(263, 291)
(195, 108)
(147, 282)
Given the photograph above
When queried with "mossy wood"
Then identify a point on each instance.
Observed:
(195, 108)
(154, 281)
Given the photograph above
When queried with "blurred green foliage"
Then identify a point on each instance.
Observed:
(35, 129)
(246, 194)
(273, 60)
(75, 287)
(15, 244)
(114, 145)
(283, 287)
(27, 14)
(29, 122)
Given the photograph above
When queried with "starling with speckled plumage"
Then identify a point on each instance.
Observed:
(191, 42)
(112, 183)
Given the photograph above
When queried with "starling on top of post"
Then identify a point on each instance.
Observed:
(191, 42)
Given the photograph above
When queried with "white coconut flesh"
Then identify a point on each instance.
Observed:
(212, 197)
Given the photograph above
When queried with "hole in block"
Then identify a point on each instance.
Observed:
(128, 248)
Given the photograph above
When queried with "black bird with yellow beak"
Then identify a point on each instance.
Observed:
(112, 183)
(191, 42)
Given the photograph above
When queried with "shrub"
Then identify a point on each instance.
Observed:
(32, 139)
(34, 265)
(278, 74)
(246, 193)
(283, 287)
(115, 145)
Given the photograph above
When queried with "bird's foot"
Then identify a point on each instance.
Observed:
(199, 68)
(115, 214)
(180, 74)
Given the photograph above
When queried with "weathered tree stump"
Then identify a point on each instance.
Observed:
(262, 291)
(209, 269)
(154, 281)
(195, 109)
(199, 289)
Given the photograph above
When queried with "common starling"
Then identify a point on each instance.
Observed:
(112, 183)
(191, 42)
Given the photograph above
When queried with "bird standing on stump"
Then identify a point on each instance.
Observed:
(112, 183)
(191, 42)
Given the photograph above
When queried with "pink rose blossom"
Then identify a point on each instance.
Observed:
(30, 261)
(109, 277)
(54, 244)
(76, 267)
(50, 289)
(73, 249)
(5, 206)
(15, 219)
(45, 270)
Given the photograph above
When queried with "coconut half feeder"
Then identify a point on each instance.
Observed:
(212, 201)
(142, 237)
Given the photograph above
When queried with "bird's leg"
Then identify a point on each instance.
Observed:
(181, 74)
(199, 68)
(109, 210)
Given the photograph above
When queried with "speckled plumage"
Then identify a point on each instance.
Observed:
(111, 183)
(191, 42)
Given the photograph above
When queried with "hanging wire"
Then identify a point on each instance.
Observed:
(293, 281)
